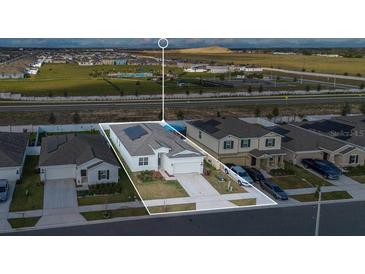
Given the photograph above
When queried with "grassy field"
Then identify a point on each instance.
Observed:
(28, 195)
(352, 66)
(172, 208)
(23, 222)
(326, 196)
(125, 212)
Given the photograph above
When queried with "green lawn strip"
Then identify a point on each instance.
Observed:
(356, 171)
(244, 202)
(28, 195)
(221, 186)
(360, 178)
(172, 208)
(291, 182)
(109, 214)
(333, 195)
(23, 222)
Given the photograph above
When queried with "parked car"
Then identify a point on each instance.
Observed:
(241, 176)
(227, 167)
(254, 173)
(4, 190)
(273, 189)
(323, 167)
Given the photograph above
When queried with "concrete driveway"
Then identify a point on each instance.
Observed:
(196, 185)
(60, 194)
(4, 209)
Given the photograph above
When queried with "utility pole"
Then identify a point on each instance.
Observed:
(316, 233)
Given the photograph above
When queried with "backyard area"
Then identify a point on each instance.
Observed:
(221, 181)
(292, 176)
(28, 193)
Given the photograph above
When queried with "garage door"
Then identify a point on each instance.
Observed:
(186, 167)
(54, 173)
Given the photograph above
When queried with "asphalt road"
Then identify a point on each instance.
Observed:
(345, 218)
(213, 102)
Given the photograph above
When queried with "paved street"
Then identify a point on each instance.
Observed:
(345, 218)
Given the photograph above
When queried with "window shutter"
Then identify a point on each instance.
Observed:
(99, 175)
(107, 174)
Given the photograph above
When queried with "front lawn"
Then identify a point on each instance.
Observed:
(293, 176)
(120, 192)
(357, 173)
(28, 195)
(360, 178)
(244, 202)
(152, 186)
(23, 222)
(333, 195)
(109, 214)
(172, 208)
(221, 181)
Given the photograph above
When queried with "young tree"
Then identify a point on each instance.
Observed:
(257, 112)
(76, 119)
(346, 109)
(180, 115)
(52, 118)
(218, 114)
(307, 88)
(275, 112)
(249, 89)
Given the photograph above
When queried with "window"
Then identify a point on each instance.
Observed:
(143, 161)
(103, 174)
(270, 142)
(83, 172)
(228, 145)
(245, 142)
(354, 159)
(200, 134)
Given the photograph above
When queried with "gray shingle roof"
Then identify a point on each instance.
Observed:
(12, 148)
(75, 149)
(222, 127)
(155, 137)
(259, 153)
(298, 139)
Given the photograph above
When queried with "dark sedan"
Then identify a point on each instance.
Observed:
(323, 167)
(254, 173)
(276, 191)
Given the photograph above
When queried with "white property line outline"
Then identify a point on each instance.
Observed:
(160, 44)
(162, 123)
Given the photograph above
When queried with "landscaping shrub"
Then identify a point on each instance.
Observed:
(101, 189)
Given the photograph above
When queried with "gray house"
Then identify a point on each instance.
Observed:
(232, 140)
(13, 148)
(86, 158)
(300, 143)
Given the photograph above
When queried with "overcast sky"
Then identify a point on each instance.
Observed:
(181, 43)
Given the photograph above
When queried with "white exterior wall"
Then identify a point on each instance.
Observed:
(58, 172)
(190, 164)
(133, 161)
(10, 173)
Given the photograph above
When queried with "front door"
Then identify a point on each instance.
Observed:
(253, 161)
(325, 156)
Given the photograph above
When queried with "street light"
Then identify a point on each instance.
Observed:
(316, 233)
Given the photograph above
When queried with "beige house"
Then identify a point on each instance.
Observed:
(232, 140)
(300, 143)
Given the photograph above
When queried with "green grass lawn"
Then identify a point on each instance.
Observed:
(172, 208)
(125, 212)
(298, 178)
(359, 178)
(334, 195)
(23, 222)
(244, 202)
(221, 186)
(31, 185)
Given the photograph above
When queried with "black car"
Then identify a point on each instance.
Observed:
(254, 173)
(229, 166)
(274, 190)
(323, 167)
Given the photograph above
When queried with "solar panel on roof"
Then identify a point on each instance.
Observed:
(135, 132)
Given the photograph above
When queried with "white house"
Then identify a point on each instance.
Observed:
(86, 158)
(13, 148)
(251, 68)
(149, 146)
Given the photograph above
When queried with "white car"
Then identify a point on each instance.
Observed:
(240, 175)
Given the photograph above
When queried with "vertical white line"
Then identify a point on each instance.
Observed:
(163, 84)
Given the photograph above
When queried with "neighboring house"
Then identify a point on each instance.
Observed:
(13, 148)
(232, 140)
(149, 146)
(300, 143)
(217, 69)
(86, 158)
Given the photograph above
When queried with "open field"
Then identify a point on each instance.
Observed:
(352, 66)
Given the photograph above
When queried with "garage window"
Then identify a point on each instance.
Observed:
(103, 174)
(200, 134)
(354, 159)
(143, 161)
